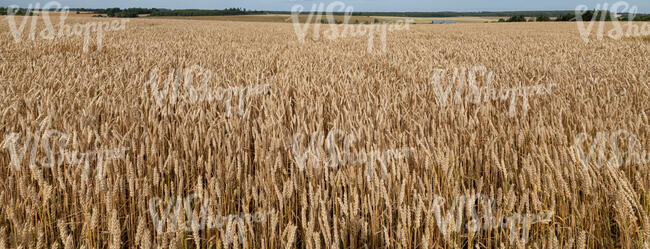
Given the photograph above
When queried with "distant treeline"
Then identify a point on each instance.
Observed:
(571, 17)
(134, 12)
(130, 12)
(195, 12)
(21, 12)
(641, 18)
(598, 15)
(568, 17)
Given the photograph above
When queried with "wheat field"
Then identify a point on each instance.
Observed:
(242, 165)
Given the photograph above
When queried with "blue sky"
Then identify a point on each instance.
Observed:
(359, 5)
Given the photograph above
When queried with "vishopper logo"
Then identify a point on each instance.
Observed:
(180, 215)
(64, 30)
(462, 77)
(54, 155)
(633, 29)
(356, 30)
(451, 221)
(312, 154)
(597, 155)
(188, 93)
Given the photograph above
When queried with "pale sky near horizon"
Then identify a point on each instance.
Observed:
(358, 5)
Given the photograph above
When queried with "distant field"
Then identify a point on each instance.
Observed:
(461, 19)
(303, 18)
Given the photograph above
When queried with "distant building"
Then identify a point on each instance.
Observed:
(442, 21)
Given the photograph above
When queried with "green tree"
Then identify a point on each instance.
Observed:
(517, 19)
(569, 17)
(642, 18)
